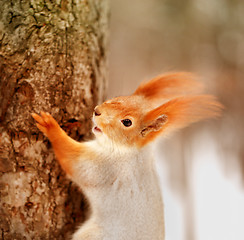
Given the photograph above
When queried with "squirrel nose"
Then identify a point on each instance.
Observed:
(97, 112)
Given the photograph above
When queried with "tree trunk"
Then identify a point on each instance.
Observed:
(52, 58)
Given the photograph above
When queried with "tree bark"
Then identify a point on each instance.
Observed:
(52, 58)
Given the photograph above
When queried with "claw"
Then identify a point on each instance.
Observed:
(38, 119)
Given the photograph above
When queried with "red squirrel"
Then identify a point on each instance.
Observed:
(116, 170)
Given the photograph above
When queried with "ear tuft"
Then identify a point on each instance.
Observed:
(178, 113)
(168, 86)
(155, 125)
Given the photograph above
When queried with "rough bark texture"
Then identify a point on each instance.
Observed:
(52, 58)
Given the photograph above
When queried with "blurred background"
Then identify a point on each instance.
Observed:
(201, 168)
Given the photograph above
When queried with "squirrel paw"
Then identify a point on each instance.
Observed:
(47, 124)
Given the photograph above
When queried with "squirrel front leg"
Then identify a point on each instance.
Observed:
(66, 149)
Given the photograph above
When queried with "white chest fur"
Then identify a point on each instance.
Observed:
(125, 199)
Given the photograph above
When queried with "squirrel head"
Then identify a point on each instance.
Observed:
(159, 106)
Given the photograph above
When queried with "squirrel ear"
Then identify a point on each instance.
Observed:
(154, 125)
(168, 86)
(178, 113)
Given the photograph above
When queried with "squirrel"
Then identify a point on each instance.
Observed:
(116, 170)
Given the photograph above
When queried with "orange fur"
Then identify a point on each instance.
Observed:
(112, 112)
(181, 112)
(169, 85)
(66, 149)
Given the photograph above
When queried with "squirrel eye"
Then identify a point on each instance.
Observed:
(126, 122)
